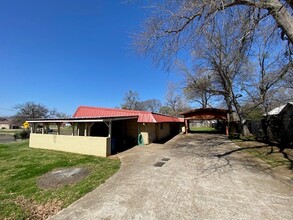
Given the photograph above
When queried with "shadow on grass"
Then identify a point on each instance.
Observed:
(239, 149)
(205, 132)
(286, 156)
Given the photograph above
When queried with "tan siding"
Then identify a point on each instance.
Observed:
(131, 128)
(97, 146)
(152, 132)
(164, 131)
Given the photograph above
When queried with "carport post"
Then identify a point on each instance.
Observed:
(186, 126)
(110, 128)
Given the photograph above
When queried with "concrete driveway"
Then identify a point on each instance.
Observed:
(195, 183)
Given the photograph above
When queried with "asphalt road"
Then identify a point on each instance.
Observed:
(190, 180)
(6, 139)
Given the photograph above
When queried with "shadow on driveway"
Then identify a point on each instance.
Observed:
(185, 179)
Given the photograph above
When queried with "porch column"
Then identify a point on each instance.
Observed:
(89, 129)
(109, 124)
(58, 127)
(47, 128)
(110, 129)
(85, 129)
(43, 128)
(73, 126)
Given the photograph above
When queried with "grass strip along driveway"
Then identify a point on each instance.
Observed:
(21, 169)
(270, 154)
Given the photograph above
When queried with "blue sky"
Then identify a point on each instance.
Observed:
(66, 53)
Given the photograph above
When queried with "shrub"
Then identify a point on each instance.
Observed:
(24, 134)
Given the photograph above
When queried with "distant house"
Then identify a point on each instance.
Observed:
(104, 131)
(280, 124)
(283, 109)
(6, 124)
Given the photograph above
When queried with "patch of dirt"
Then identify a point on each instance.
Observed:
(60, 177)
(39, 211)
(114, 157)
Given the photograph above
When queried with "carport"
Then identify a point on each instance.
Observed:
(205, 114)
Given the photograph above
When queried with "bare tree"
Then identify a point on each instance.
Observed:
(166, 110)
(266, 86)
(218, 33)
(174, 25)
(224, 57)
(197, 85)
(288, 80)
(175, 101)
(31, 110)
(152, 105)
(131, 101)
(218, 46)
(197, 91)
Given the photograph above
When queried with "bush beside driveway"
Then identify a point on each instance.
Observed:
(193, 180)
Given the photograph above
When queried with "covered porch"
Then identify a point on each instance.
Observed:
(90, 136)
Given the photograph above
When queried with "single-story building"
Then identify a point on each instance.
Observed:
(279, 125)
(282, 110)
(7, 124)
(205, 114)
(104, 131)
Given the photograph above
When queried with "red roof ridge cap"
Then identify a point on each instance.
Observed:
(171, 116)
(113, 109)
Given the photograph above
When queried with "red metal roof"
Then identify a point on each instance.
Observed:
(143, 116)
(205, 114)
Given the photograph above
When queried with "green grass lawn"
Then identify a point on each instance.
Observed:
(202, 129)
(269, 154)
(9, 131)
(21, 167)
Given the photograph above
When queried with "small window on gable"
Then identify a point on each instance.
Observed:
(161, 126)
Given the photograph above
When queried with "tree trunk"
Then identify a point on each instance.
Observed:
(266, 121)
(244, 128)
(283, 18)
